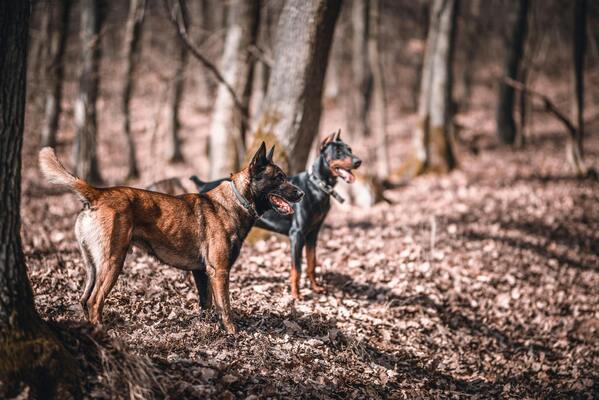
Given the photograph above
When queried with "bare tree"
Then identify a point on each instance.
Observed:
(59, 29)
(432, 139)
(227, 130)
(132, 51)
(290, 113)
(361, 68)
(173, 143)
(379, 95)
(86, 163)
(575, 142)
(30, 354)
(504, 115)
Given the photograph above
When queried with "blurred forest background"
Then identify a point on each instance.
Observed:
(466, 263)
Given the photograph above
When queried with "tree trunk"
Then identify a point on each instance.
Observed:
(575, 144)
(38, 48)
(208, 26)
(472, 36)
(290, 113)
(227, 129)
(432, 139)
(262, 68)
(361, 68)
(86, 163)
(55, 70)
(378, 92)
(132, 52)
(173, 144)
(29, 353)
(504, 116)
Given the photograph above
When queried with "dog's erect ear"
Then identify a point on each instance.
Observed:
(327, 140)
(338, 135)
(271, 153)
(259, 160)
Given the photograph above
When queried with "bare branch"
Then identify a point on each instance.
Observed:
(550, 107)
(183, 35)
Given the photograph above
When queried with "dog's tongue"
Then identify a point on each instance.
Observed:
(282, 204)
(346, 175)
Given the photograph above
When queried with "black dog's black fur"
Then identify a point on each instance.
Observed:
(304, 224)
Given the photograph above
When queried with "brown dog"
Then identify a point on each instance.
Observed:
(198, 232)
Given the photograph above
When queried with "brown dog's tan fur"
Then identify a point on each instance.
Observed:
(187, 232)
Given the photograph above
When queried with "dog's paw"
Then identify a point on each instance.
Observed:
(231, 328)
(317, 288)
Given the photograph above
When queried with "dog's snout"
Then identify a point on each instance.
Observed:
(357, 162)
(299, 194)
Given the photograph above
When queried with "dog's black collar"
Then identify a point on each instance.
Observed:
(249, 207)
(322, 185)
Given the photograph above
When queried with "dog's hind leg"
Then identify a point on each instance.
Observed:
(297, 245)
(114, 242)
(84, 233)
(90, 277)
(204, 290)
(311, 240)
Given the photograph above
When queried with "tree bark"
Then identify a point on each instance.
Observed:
(55, 70)
(132, 51)
(29, 353)
(86, 163)
(379, 94)
(575, 143)
(291, 111)
(361, 68)
(504, 115)
(433, 150)
(173, 143)
(227, 130)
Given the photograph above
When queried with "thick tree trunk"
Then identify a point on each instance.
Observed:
(29, 352)
(379, 94)
(504, 115)
(361, 68)
(86, 163)
(132, 51)
(291, 111)
(433, 150)
(227, 130)
(575, 143)
(173, 142)
(55, 70)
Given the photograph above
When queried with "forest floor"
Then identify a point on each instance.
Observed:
(482, 283)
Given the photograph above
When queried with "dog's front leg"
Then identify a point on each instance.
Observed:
(219, 279)
(204, 289)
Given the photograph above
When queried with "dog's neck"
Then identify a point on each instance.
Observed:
(242, 182)
(321, 170)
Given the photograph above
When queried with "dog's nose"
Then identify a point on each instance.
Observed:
(299, 193)
(357, 162)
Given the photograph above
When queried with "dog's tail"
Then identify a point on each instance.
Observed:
(55, 173)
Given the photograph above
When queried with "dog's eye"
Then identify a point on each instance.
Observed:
(349, 149)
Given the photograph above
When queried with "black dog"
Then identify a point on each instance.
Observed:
(335, 160)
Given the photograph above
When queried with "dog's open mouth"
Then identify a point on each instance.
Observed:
(345, 174)
(280, 205)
